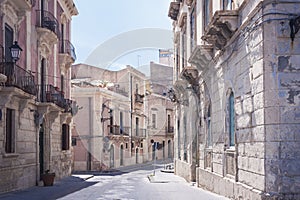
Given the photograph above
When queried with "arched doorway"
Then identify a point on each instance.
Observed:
(112, 157)
(121, 155)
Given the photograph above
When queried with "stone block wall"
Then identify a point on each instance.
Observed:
(18, 170)
(282, 94)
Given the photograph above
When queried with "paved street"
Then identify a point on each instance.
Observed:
(129, 183)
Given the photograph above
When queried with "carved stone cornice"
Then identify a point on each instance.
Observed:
(71, 7)
(201, 57)
(221, 28)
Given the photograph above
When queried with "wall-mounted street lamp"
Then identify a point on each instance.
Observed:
(15, 50)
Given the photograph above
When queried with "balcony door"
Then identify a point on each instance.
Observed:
(9, 38)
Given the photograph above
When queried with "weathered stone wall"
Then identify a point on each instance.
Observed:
(282, 104)
(18, 169)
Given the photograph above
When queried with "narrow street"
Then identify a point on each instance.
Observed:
(130, 183)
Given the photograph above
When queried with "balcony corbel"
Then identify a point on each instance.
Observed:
(221, 28)
(201, 56)
(190, 74)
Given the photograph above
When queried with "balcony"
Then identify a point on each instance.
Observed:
(118, 90)
(67, 50)
(51, 94)
(201, 56)
(23, 4)
(174, 10)
(18, 77)
(47, 27)
(139, 98)
(170, 130)
(221, 28)
(140, 133)
(117, 130)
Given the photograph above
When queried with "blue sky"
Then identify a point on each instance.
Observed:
(99, 21)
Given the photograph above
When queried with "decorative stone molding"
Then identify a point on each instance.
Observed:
(65, 61)
(52, 116)
(65, 118)
(190, 74)
(180, 87)
(201, 56)
(174, 10)
(189, 2)
(221, 28)
(46, 39)
(182, 19)
(23, 4)
(70, 6)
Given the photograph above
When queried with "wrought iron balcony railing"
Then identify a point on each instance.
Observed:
(67, 47)
(170, 129)
(117, 130)
(140, 132)
(51, 94)
(47, 20)
(18, 77)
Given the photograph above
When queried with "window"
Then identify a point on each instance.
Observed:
(169, 123)
(137, 126)
(209, 136)
(136, 88)
(62, 80)
(111, 121)
(227, 4)
(231, 120)
(74, 141)
(65, 137)
(183, 48)
(121, 123)
(153, 120)
(10, 131)
(193, 29)
(177, 62)
(9, 37)
(207, 11)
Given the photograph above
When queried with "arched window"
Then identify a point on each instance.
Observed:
(231, 120)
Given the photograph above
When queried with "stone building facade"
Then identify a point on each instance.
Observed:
(236, 85)
(160, 113)
(114, 132)
(35, 106)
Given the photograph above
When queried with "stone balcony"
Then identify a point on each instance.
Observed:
(67, 55)
(22, 4)
(174, 10)
(47, 27)
(201, 56)
(223, 25)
